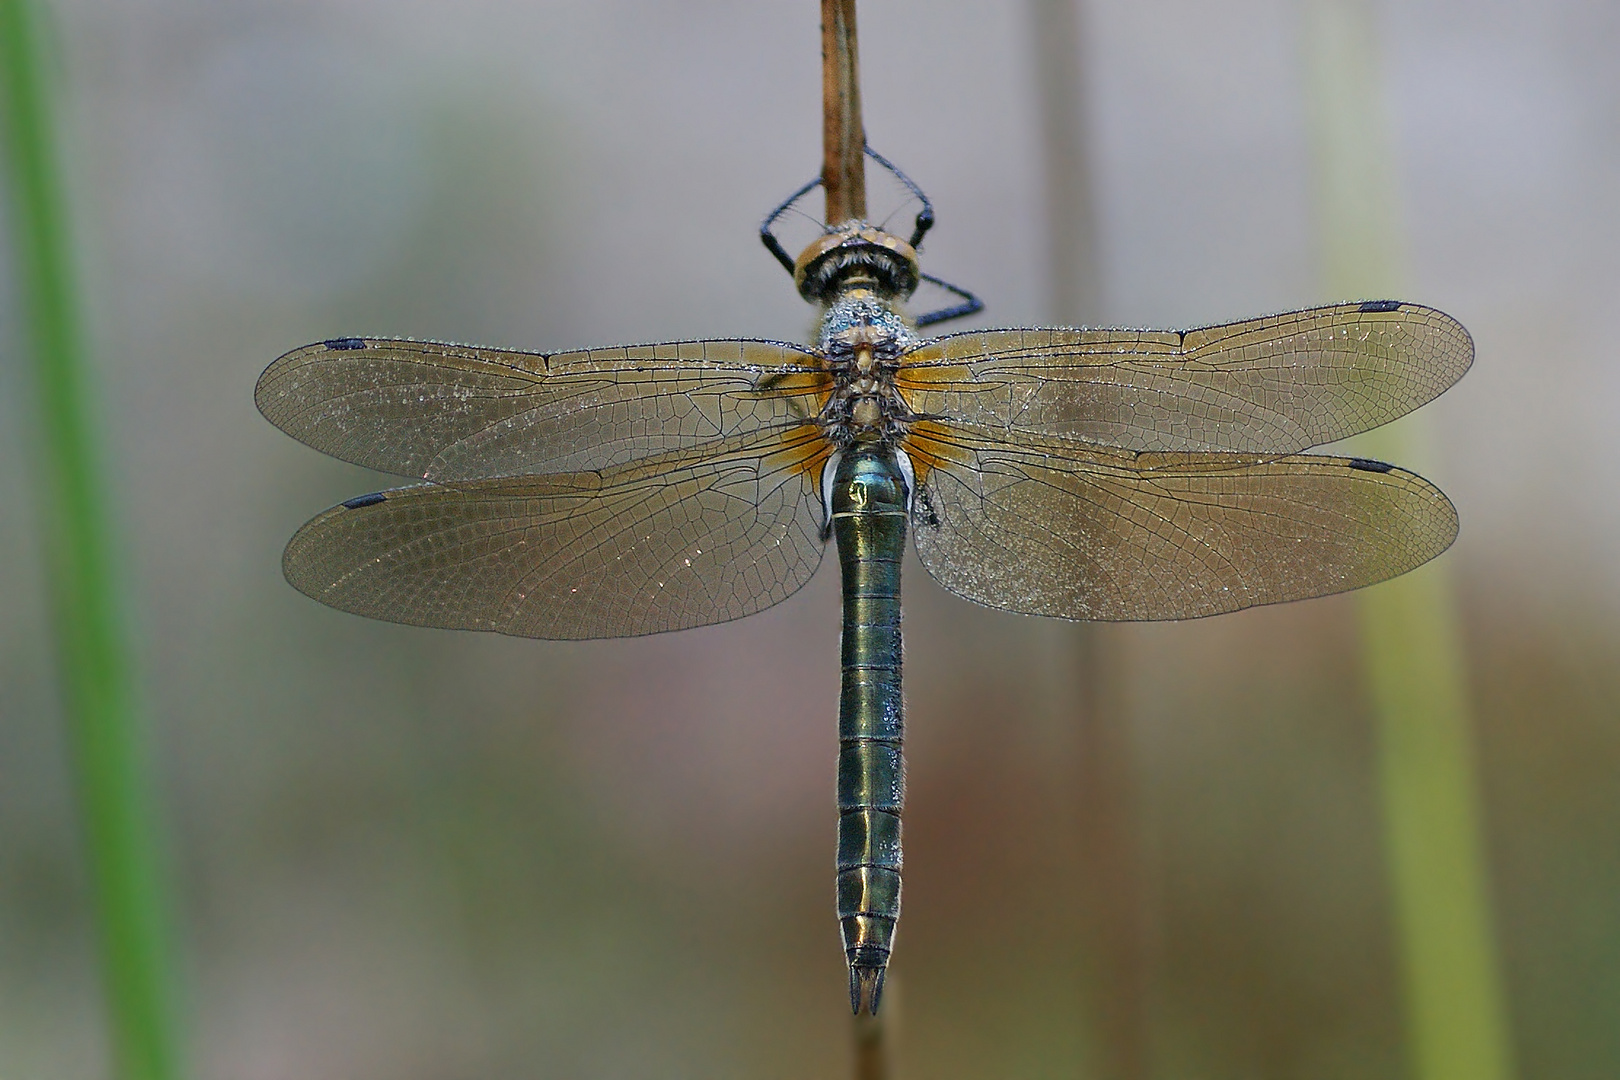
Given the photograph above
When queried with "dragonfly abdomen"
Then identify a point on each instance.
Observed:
(868, 504)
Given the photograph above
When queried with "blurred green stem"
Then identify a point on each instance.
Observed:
(1111, 893)
(1412, 647)
(91, 649)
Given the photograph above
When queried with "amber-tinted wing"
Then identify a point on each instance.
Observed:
(457, 412)
(1273, 385)
(666, 543)
(1054, 527)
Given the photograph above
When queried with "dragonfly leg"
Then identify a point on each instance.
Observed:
(970, 305)
(925, 216)
(768, 238)
(923, 222)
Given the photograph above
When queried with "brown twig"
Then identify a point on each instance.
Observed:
(873, 1040)
(843, 169)
(843, 176)
(871, 1053)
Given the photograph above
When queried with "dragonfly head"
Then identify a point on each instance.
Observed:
(856, 253)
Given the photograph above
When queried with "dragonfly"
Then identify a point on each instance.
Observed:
(1072, 473)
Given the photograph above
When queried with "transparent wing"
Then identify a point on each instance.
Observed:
(1273, 385)
(1056, 528)
(676, 541)
(457, 412)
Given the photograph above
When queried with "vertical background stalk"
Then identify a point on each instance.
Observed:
(843, 179)
(92, 655)
(1412, 649)
(1111, 891)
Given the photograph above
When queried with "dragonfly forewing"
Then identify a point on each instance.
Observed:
(672, 542)
(456, 412)
(1056, 528)
(1273, 385)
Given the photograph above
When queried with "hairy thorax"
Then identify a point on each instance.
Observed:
(862, 340)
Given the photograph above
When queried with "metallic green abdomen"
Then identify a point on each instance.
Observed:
(869, 521)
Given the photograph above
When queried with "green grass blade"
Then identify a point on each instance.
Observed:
(1412, 651)
(92, 653)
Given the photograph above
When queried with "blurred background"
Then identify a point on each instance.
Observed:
(402, 853)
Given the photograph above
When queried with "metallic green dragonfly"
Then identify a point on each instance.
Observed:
(1072, 473)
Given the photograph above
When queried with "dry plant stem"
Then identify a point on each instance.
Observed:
(843, 176)
(1412, 641)
(843, 169)
(92, 653)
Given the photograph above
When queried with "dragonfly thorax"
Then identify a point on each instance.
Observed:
(862, 340)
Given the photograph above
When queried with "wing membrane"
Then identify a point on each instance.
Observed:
(1272, 385)
(1060, 529)
(457, 412)
(682, 540)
